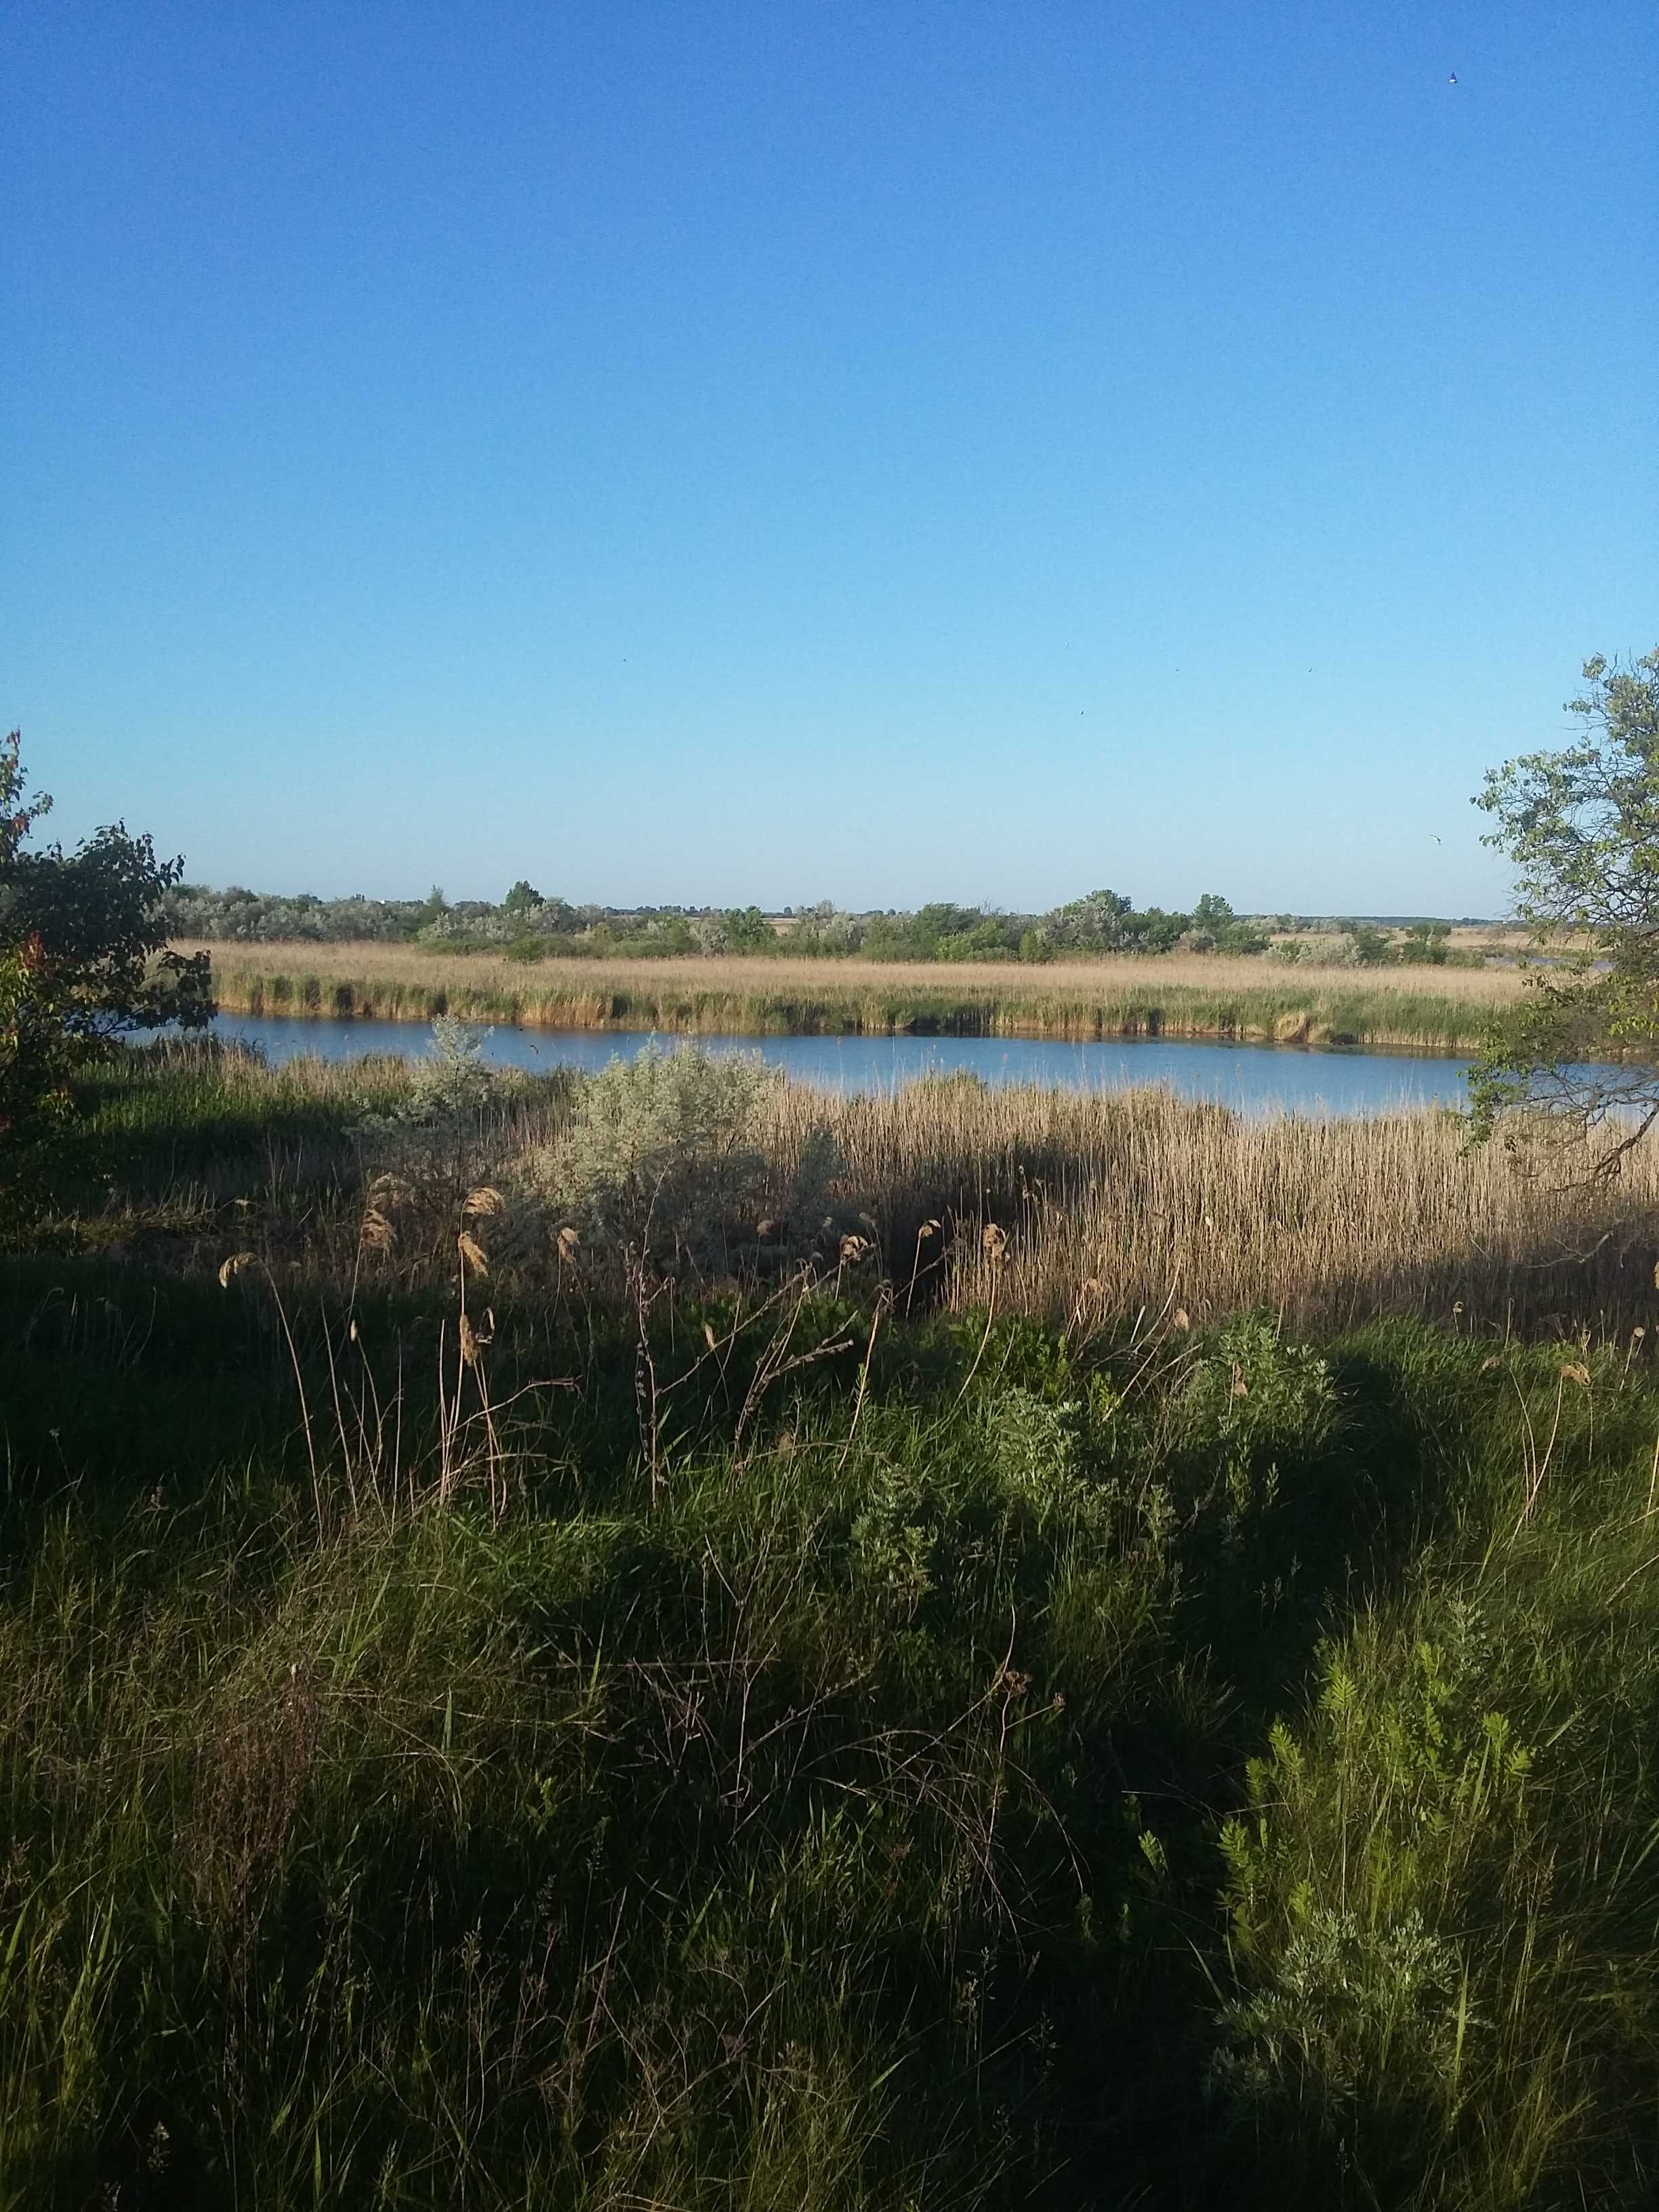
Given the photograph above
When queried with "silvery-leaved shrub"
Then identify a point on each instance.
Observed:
(665, 1156)
(451, 1093)
(441, 1147)
(454, 1080)
(448, 1091)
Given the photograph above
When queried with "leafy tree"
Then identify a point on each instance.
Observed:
(747, 930)
(1215, 927)
(980, 937)
(1094, 923)
(522, 898)
(1369, 945)
(1426, 944)
(1153, 930)
(939, 931)
(1102, 922)
(1211, 914)
(1582, 827)
(934, 927)
(82, 953)
(432, 910)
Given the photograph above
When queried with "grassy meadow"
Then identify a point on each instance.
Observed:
(665, 1641)
(1177, 994)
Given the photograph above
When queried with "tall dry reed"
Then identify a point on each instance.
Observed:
(1107, 1203)
(1111, 1204)
(1180, 994)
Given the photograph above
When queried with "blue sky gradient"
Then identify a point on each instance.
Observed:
(703, 454)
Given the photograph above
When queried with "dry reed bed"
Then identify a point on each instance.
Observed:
(1180, 995)
(1144, 1200)
(1112, 1203)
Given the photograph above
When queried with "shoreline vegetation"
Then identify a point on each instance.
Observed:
(657, 1640)
(1072, 1210)
(1185, 995)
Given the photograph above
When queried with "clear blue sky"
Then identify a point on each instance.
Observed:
(783, 451)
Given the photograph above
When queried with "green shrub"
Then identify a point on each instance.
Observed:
(1249, 1384)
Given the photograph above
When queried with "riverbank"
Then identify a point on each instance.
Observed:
(1103, 1206)
(1195, 996)
(1053, 1665)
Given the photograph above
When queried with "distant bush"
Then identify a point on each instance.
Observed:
(747, 930)
(823, 931)
(1367, 947)
(1105, 921)
(1216, 928)
(238, 916)
(943, 930)
(1426, 944)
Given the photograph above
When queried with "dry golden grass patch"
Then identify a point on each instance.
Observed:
(1109, 1202)
(1082, 981)
(1113, 1204)
(1192, 995)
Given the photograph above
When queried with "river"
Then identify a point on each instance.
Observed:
(1253, 1079)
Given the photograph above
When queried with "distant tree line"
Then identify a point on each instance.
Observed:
(529, 925)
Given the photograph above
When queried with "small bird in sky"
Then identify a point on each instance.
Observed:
(1452, 79)
(1437, 840)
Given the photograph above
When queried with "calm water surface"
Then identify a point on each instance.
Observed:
(1252, 1078)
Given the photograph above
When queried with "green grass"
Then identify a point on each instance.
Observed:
(964, 1770)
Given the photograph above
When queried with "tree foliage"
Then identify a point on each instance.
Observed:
(747, 930)
(1216, 928)
(1582, 827)
(1106, 921)
(527, 925)
(82, 952)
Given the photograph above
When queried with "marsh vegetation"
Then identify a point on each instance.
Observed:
(670, 1641)
(1182, 994)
